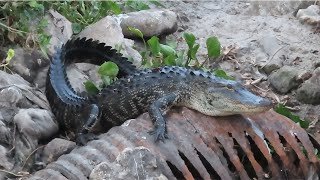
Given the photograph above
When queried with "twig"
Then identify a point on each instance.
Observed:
(31, 155)
(12, 29)
(14, 174)
(269, 59)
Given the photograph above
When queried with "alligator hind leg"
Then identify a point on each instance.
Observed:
(92, 117)
(156, 112)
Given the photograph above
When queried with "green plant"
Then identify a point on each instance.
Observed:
(282, 109)
(23, 22)
(156, 54)
(134, 5)
(84, 13)
(6, 62)
(108, 72)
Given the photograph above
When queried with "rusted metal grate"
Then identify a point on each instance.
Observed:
(263, 146)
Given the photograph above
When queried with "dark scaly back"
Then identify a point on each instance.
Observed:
(64, 101)
(93, 52)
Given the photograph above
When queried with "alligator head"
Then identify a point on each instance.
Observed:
(226, 97)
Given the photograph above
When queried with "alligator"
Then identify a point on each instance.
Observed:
(66, 104)
(136, 91)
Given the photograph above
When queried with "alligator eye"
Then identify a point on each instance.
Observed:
(229, 86)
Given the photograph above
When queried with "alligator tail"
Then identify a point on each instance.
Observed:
(89, 51)
(65, 102)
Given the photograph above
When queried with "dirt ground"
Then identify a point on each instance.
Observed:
(261, 32)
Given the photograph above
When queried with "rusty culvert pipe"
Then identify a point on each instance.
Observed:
(263, 146)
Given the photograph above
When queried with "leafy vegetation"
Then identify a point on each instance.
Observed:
(156, 54)
(281, 109)
(4, 64)
(24, 22)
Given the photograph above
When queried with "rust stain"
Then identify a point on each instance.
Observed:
(262, 146)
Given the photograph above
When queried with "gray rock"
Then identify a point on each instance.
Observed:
(28, 63)
(5, 134)
(16, 92)
(32, 126)
(309, 92)
(9, 79)
(150, 22)
(55, 148)
(311, 15)
(285, 79)
(59, 28)
(269, 44)
(80, 73)
(108, 30)
(272, 66)
(5, 163)
(137, 163)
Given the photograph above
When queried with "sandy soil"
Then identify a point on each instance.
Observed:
(255, 28)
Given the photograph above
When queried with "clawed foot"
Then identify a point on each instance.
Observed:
(160, 134)
(82, 139)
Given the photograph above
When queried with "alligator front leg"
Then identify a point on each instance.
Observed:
(92, 117)
(156, 112)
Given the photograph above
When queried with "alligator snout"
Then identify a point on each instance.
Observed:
(265, 102)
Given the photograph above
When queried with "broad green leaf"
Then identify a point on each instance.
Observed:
(166, 50)
(136, 31)
(304, 124)
(190, 39)
(213, 47)
(76, 28)
(221, 73)
(154, 45)
(281, 109)
(91, 88)
(10, 55)
(193, 52)
(108, 69)
(170, 60)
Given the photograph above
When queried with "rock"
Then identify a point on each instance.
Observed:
(9, 79)
(59, 28)
(16, 92)
(269, 44)
(311, 15)
(108, 30)
(136, 163)
(285, 79)
(5, 134)
(55, 148)
(5, 163)
(150, 22)
(32, 126)
(309, 91)
(272, 66)
(27, 64)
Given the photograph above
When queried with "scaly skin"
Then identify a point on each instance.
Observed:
(73, 111)
(153, 90)
(159, 89)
